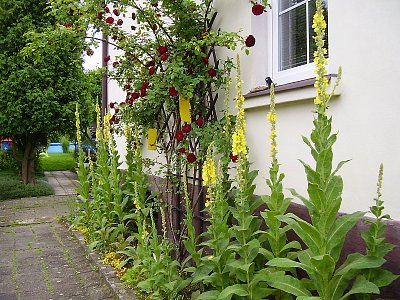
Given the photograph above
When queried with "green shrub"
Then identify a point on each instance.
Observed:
(7, 161)
(11, 186)
(64, 140)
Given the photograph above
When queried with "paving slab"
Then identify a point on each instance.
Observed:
(39, 258)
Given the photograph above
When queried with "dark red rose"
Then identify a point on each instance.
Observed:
(162, 49)
(154, 27)
(172, 91)
(200, 121)
(250, 41)
(133, 16)
(164, 57)
(143, 92)
(112, 120)
(115, 37)
(127, 86)
(182, 150)
(107, 58)
(179, 136)
(191, 158)
(205, 59)
(122, 104)
(120, 22)
(115, 64)
(135, 95)
(212, 72)
(110, 20)
(68, 24)
(112, 104)
(133, 27)
(150, 63)
(145, 85)
(129, 101)
(233, 158)
(106, 9)
(186, 128)
(116, 110)
(100, 15)
(152, 70)
(257, 9)
(116, 12)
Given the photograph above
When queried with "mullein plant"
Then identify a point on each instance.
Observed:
(153, 271)
(212, 272)
(243, 235)
(375, 240)
(324, 236)
(101, 189)
(276, 243)
(83, 190)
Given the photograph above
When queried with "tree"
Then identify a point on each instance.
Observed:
(41, 78)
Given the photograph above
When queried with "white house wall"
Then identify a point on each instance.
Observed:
(363, 39)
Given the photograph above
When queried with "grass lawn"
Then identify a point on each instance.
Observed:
(11, 186)
(57, 161)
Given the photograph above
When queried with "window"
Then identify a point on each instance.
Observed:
(293, 45)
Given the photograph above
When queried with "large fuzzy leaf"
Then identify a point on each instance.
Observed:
(237, 289)
(339, 232)
(307, 232)
(361, 286)
(287, 284)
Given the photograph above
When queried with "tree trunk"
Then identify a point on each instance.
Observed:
(28, 162)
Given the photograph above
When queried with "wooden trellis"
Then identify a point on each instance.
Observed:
(168, 125)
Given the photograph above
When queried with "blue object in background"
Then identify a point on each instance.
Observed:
(57, 148)
(5, 145)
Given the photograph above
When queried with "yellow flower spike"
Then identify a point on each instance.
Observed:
(78, 125)
(271, 116)
(239, 145)
(106, 126)
(209, 176)
(321, 82)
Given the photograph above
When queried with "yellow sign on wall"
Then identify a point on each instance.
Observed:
(184, 109)
(151, 138)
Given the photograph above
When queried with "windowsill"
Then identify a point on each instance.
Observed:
(290, 92)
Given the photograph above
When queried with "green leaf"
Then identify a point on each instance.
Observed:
(383, 277)
(210, 295)
(237, 289)
(357, 261)
(339, 166)
(361, 286)
(287, 263)
(324, 264)
(287, 284)
(307, 232)
(340, 230)
(308, 298)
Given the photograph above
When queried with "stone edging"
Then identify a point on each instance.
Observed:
(106, 271)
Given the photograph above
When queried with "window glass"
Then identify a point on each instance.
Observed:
(285, 4)
(296, 43)
(293, 38)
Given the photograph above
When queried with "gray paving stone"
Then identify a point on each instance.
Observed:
(8, 296)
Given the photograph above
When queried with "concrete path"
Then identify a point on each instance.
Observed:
(63, 182)
(39, 258)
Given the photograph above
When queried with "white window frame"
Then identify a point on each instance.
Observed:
(293, 74)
